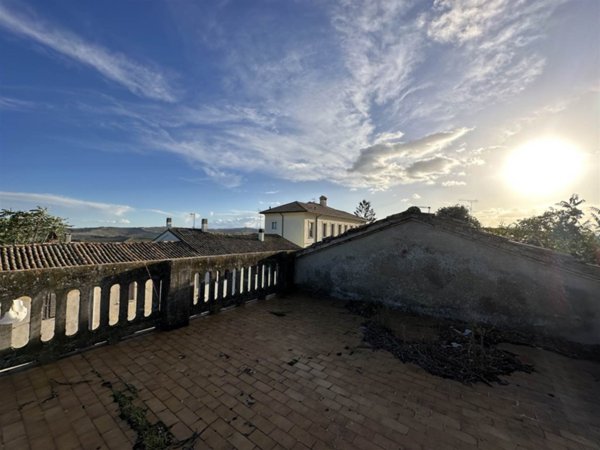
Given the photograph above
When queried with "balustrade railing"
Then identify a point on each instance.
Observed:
(71, 309)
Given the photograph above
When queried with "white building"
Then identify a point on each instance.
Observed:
(307, 223)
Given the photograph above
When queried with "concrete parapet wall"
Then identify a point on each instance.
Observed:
(76, 307)
(431, 267)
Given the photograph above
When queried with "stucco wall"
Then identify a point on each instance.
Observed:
(328, 221)
(426, 268)
(295, 226)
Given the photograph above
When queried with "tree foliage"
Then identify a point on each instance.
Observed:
(365, 211)
(33, 226)
(561, 229)
(459, 212)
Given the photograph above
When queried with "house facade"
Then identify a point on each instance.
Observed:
(307, 223)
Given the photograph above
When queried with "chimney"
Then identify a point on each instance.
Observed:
(261, 235)
(67, 238)
(323, 200)
(169, 222)
(204, 225)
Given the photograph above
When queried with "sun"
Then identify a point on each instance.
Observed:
(543, 166)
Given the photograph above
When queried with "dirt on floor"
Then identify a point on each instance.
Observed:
(453, 349)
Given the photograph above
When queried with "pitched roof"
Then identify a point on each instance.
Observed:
(315, 208)
(212, 243)
(466, 231)
(48, 256)
(194, 243)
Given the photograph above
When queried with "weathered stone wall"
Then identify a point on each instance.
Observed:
(167, 286)
(426, 267)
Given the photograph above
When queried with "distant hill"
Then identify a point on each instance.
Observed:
(129, 234)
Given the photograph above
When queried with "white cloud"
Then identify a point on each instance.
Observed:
(234, 219)
(492, 53)
(227, 179)
(292, 117)
(416, 196)
(380, 50)
(139, 79)
(68, 202)
(541, 114)
(386, 164)
(115, 221)
(161, 212)
(432, 166)
(460, 21)
(452, 183)
(380, 154)
(14, 104)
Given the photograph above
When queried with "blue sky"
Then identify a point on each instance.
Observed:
(124, 112)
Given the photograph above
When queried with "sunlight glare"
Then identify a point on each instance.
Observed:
(543, 166)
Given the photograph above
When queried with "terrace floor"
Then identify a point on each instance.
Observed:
(247, 378)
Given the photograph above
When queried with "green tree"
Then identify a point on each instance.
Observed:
(458, 212)
(33, 226)
(595, 222)
(560, 229)
(365, 211)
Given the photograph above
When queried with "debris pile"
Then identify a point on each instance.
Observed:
(465, 357)
(444, 348)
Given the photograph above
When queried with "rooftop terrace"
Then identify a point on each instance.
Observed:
(302, 378)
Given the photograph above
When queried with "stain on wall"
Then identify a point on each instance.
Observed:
(423, 266)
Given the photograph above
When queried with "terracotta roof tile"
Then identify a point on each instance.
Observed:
(194, 243)
(212, 243)
(45, 256)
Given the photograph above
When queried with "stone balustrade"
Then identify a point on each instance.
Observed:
(70, 309)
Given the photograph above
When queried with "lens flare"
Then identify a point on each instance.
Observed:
(543, 166)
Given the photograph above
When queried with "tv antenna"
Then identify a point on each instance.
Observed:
(470, 202)
(428, 208)
(193, 214)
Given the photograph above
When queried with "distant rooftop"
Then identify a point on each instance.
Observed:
(49, 256)
(207, 243)
(192, 243)
(315, 208)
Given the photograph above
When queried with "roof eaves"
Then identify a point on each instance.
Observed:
(286, 208)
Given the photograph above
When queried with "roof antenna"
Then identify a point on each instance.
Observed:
(428, 208)
(193, 219)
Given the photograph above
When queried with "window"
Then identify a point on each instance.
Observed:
(340, 229)
(311, 229)
(49, 307)
(273, 225)
(333, 229)
(345, 228)
(324, 229)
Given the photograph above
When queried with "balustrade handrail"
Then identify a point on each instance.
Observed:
(107, 303)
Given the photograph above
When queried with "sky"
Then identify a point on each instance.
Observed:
(125, 112)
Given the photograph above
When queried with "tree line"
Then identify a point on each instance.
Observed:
(562, 227)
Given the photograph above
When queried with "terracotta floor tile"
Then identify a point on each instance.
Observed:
(246, 378)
